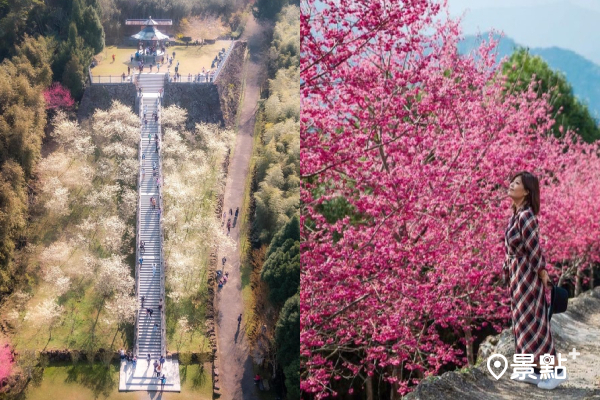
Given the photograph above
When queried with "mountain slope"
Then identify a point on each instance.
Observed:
(581, 73)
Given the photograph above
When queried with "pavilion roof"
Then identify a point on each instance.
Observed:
(148, 22)
(150, 33)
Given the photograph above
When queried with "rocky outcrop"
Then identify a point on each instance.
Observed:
(578, 327)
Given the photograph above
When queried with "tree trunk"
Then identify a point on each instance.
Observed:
(369, 387)
(469, 343)
(394, 384)
(592, 268)
(578, 279)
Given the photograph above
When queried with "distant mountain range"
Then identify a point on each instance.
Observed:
(582, 74)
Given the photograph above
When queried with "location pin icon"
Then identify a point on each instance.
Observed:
(497, 364)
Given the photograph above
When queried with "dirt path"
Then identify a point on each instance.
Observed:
(578, 327)
(233, 360)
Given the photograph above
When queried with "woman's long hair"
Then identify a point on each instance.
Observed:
(532, 185)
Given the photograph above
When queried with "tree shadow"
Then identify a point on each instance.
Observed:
(96, 377)
(199, 379)
(183, 374)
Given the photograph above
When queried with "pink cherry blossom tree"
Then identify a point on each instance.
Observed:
(419, 143)
(57, 96)
(6, 361)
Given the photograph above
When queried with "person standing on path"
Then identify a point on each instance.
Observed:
(228, 226)
(525, 272)
(230, 212)
(162, 360)
(239, 320)
(224, 260)
(237, 209)
(163, 382)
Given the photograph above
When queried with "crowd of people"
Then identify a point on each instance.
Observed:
(201, 77)
(159, 369)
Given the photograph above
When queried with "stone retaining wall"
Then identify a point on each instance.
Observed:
(200, 100)
(229, 83)
(101, 96)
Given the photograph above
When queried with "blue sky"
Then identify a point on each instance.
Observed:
(570, 24)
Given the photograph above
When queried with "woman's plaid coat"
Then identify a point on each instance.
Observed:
(529, 309)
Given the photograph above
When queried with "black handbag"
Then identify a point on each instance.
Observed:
(559, 298)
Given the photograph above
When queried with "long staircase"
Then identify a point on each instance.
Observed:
(150, 274)
(150, 279)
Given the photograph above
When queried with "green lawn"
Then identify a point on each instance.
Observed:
(86, 382)
(191, 59)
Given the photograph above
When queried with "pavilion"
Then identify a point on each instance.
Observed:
(151, 41)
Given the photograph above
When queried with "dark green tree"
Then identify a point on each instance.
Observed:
(291, 230)
(73, 77)
(77, 13)
(281, 271)
(568, 111)
(287, 332)
(268, 9)
(91, 30)
(292, 380)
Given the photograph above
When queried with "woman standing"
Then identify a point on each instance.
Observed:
(525, 269)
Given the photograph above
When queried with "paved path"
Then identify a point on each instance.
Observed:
(233, 359)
